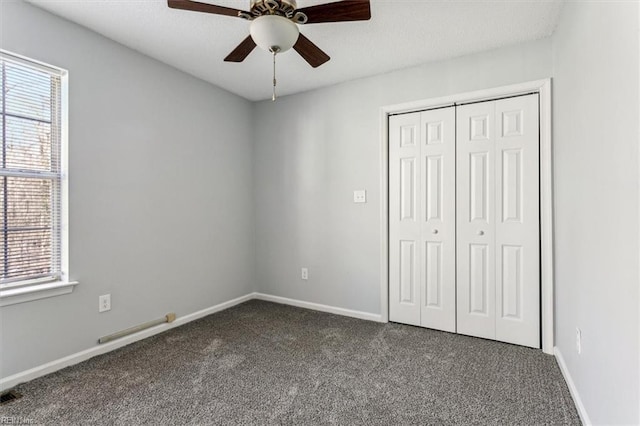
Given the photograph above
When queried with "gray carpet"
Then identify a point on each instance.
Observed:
(263, 363)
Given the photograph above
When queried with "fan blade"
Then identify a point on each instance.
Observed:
(310, 52)
(203, 7)
(241, 52)
(341, 11)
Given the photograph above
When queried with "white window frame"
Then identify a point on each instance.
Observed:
(28, 290)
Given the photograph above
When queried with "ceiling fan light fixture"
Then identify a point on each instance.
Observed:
(271, 31)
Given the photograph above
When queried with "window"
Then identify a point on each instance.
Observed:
(31, 173)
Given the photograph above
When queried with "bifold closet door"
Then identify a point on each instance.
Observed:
(498, 250)
(422, 219)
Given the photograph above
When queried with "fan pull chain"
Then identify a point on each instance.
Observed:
(273, 97)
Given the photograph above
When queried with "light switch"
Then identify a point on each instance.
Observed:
(360, 196)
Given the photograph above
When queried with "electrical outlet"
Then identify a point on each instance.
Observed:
(360, 196)
(578, 341)
(304, 274)
(104, 303)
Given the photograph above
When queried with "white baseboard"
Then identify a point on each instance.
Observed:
(42, 370)
(318, 307)
(50, 367)
(582, 412)
(59, 364)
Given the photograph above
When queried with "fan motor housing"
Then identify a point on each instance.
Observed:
(273, 7)
(284, 8)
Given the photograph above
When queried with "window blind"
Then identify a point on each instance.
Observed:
(30, 172)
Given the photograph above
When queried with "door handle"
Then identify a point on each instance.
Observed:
(435, 231)
(481, 233)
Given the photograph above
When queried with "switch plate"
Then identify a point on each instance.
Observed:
(304, 273)
(360, 196)
(104, 303)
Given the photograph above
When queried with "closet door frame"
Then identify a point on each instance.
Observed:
(543, 88)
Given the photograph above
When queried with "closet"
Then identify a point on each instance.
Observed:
(464, 227)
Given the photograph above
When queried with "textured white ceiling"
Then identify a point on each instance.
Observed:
(401, 33)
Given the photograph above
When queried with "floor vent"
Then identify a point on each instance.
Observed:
(9, 396)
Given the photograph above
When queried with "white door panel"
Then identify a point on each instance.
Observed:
(498, 220)
(438, 309)
(422, 219)
(517, 225)
(475, 219)
(464, 219)
(405, 248)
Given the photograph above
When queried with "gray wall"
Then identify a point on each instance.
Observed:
(176, 198)
(160, 192)
(312, 150)
(596, 132)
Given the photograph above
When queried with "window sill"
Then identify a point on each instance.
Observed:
(12, 296)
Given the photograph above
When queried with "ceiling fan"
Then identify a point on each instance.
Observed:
(274, 25)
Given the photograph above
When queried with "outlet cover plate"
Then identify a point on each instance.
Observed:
(104, 303)
(360, 196)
